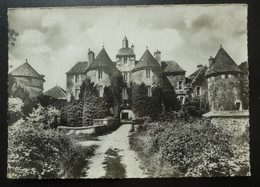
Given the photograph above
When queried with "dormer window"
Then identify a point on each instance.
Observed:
(100, 73)
(148, 73)
(180, 85)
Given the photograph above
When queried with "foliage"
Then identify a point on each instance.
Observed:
(36, 150)
(191, 149)
(44, 117)
(143, 105)
(15, 106)
(71, 113)
(245, 91)
(95, 106)
(17, 91)
(46, 101)
(12, 35)
(193, 108)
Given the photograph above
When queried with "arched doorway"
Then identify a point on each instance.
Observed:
(126, 116)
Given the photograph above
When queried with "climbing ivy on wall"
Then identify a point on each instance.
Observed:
(142, 105)
(95, 106)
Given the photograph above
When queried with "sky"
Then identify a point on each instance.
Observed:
(54, 39)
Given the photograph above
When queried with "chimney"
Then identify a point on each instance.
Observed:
(133, 47)
(199, 66)
(91, 56)
(157, 56)
(211, 61)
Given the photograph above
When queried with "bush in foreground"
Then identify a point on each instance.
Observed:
(195, 149)
(35, 150)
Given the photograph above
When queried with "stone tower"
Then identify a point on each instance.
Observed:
(29, 79)
(224, 89)
(125, 60)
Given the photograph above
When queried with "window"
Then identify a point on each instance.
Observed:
(76, 78)
(124, 93)
(180, 86)
(229, 76)
(100, 90)
(148, 73)
(125, 76)
(76, 93)
(181, 99)
(149, 89)
(100, 73)
(125, 59)
(222, 76)
(198, 90)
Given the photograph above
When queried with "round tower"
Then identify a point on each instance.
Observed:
(224, 89)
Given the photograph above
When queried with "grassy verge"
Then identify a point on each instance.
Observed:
(113, 166)
(140, 143)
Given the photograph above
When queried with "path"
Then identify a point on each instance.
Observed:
(118, 139)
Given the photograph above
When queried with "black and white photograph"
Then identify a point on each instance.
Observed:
(113, 92)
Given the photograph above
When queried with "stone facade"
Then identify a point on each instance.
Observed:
(217, 85)
(224, 86)
(75, 76)
(224, 92)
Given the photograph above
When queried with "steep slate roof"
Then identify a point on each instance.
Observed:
(147, 60)
(103, 61)
(197, 74)
(78, 68)
(167, 86)
(125, 51)
(26, 70)
(171, 66)
(56, 92)
(223, 63)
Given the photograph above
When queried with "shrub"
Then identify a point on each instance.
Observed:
(143, 105)
(37, 150)
(194, 108)
(15, 106)
(44, 117)
(193, 149)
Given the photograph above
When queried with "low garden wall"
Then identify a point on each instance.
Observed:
(110, 124)
(231, 122)
(100, 126)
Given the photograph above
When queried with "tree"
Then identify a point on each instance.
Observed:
(12, 35)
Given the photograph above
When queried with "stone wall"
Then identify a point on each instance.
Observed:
(33, 85)
(174, 80)
(203, 98)
(104, 81)
(139, 77)
(71, 85)
(223, 93)
(231, 122)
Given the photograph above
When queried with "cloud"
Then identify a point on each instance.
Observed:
(54, 39)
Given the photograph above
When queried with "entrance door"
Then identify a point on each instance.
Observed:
(125, 115)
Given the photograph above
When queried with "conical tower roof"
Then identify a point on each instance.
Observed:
(147, 61)
(26, 70)
(56, 92)
(223, 63)
(103, 61)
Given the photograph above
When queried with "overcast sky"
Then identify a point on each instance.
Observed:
(54, 39)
